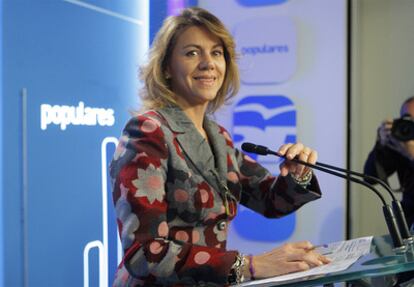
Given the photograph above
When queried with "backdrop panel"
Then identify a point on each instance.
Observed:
(74, 63)
(293, 72)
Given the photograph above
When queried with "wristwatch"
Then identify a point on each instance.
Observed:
(236, 273)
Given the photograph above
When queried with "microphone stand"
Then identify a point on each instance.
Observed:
(387, 210)
(396, 205)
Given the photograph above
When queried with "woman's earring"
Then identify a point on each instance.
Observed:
(167, 76)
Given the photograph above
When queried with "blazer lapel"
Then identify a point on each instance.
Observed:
(191, 142)
(219, 148)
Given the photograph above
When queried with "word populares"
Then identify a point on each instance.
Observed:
(70, 115)
(264, 49)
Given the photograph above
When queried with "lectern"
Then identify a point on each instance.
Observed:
(382, 261)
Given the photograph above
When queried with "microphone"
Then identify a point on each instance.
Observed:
(387, 210)
(396, 205)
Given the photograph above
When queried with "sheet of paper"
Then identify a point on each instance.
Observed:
(342, 253)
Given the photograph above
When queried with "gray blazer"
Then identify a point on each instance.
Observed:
(175, 194)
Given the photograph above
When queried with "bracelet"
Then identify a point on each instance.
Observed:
(251, 268)
(236, 273)
(303, 180)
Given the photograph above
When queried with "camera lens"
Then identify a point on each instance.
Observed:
(403, 129)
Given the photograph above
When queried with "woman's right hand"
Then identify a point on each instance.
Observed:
(288, 258)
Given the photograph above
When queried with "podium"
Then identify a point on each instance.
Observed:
(373, 269)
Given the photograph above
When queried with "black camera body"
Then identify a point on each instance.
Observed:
(403, 128)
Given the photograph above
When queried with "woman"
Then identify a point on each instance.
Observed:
(177, 179)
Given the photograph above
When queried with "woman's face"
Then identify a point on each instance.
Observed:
(197, 67)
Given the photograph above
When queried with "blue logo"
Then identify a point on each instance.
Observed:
(253, 3)
(269, 121)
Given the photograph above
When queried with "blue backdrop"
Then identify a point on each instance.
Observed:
(68, 78)
(74, 63)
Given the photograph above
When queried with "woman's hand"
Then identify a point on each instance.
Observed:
(302, 153)
(288, 258)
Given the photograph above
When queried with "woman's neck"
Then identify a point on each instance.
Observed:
(196, 115)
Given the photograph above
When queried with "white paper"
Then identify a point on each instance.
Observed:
(342, 253)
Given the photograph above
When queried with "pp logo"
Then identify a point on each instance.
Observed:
(269, 121)
(268, 50)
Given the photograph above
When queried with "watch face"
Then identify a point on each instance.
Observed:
(236, 274)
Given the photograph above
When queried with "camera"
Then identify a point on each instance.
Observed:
(403, 128)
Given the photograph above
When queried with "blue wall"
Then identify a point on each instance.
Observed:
(64, 53)
(158, 11)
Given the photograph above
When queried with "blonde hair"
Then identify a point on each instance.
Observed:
(157, 92)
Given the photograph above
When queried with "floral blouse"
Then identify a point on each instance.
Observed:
(176, 193)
